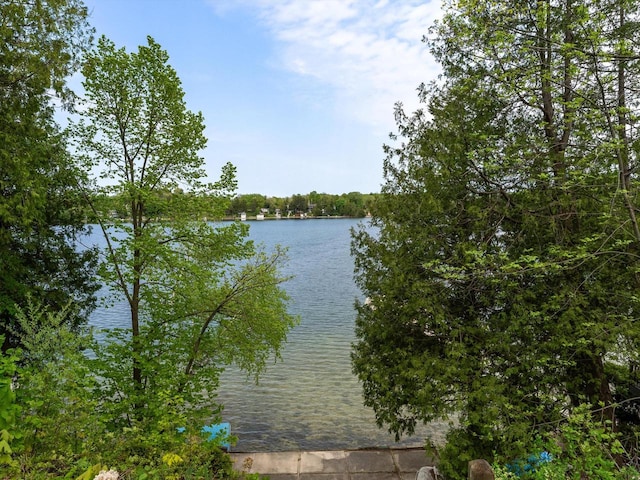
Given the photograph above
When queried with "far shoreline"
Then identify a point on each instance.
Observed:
(253, 218)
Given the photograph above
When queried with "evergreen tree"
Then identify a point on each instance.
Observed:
(40, 212)
(503, 273)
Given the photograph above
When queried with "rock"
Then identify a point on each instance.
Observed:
(480, 470)
(428, 473)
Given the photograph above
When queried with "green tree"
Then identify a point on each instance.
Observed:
(321, 203)
(237, 205)
(40, 213)
(251, 203)
(200, 295)
(503, 273)
(354, 205)
(298, 203)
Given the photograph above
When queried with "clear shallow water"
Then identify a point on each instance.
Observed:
(309, 399)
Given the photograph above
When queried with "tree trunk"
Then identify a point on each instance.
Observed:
(136, 344)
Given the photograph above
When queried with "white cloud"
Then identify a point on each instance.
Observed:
(369, 52)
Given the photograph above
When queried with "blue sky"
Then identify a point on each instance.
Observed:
(297, 94)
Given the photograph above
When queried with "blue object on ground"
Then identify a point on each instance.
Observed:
(219, 430)
(216, 430)
(520, 467)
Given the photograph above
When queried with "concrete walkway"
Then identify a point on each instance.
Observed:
(375, 464)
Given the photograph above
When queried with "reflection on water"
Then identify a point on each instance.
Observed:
(310, 399)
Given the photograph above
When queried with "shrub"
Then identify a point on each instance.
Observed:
(583, 446)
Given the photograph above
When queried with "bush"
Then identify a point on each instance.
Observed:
(9, 409)
(52, 426)
(582, 447)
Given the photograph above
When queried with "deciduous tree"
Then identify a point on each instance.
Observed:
(200, 295)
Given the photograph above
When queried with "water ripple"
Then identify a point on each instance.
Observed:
(310, 399)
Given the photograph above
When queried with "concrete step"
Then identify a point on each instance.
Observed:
(372, 464)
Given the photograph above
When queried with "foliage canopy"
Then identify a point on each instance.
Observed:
(41, 215)
(200, 295)
(503, 275)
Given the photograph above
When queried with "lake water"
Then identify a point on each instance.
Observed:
(310, 399)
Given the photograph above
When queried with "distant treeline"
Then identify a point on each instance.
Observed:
(353, 204)
(314, 204)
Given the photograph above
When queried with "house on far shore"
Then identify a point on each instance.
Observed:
(243, 217)
(260, 216)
